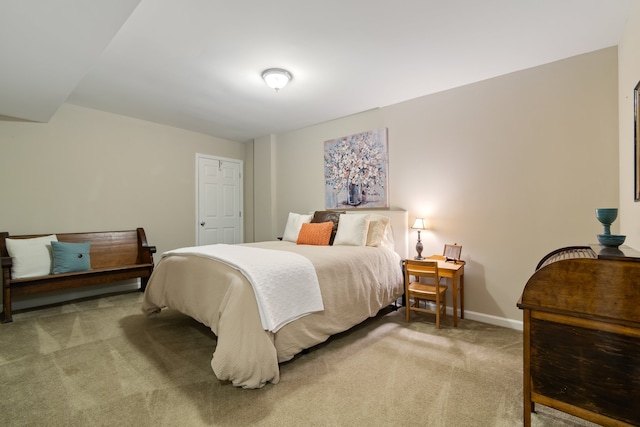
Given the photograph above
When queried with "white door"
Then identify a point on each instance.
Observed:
(219, 200)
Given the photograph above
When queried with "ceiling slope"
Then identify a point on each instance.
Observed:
(48, 46)
(196, 64)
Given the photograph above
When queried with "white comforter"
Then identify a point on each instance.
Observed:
(355, 283)
(285, 283)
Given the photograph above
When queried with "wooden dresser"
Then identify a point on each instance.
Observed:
(581, 313)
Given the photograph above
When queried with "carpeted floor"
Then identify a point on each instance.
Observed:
(102, 363)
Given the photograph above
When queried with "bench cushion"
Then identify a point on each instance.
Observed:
(69, 257)
(31, 257)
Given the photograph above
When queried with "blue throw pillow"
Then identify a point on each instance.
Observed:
(69, 257)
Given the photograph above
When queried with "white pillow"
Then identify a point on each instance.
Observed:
(352, 230)
(294, 224)
(388, 240)
(31, 257)
(377, 229)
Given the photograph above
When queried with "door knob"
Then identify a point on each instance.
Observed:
(202, 223)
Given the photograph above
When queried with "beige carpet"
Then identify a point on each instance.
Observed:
(102, 363)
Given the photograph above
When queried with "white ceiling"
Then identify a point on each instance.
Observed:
(196, 64)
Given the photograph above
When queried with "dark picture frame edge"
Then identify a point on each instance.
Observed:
(636, 142)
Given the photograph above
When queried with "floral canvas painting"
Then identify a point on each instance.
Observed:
(355, 171)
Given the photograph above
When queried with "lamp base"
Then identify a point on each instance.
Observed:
(419, 248)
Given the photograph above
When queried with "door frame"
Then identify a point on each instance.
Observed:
(240, 190)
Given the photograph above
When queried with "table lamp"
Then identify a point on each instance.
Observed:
(419, 224)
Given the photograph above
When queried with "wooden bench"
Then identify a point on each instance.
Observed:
(114, 255)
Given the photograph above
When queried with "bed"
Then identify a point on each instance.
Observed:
(355, 282)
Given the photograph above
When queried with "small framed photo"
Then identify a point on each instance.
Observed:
(452, 253)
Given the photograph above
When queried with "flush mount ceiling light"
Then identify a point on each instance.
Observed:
(276, 78)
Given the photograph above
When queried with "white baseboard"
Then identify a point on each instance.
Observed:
(484, 318)
(492, 320)
(56, 297)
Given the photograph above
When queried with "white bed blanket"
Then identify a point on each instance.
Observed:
(285, 283)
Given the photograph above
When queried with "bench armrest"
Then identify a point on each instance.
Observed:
(142, 238)
(6, 262)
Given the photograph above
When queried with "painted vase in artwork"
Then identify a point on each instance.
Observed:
(354, 194)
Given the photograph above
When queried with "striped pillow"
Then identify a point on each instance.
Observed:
(315, 233)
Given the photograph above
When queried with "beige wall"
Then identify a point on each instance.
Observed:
(265, 189)
(511, 168)
(629, 75)
(87, 170)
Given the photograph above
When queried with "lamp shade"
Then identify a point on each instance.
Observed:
(419, 224)
(276, 78)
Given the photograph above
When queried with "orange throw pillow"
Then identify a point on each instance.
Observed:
(315, 233)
